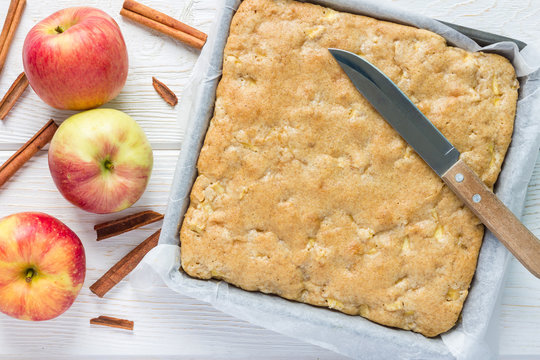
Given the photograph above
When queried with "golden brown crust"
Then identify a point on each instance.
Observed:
(306, 192)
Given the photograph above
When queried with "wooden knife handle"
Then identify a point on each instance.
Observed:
(463, 181)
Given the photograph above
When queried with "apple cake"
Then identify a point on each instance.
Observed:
(304, 190)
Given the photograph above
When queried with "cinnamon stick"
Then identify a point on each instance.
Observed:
(13, 18)
(112, 322)
(171, 27)
(13, 94)
(38, 141)
(167, 94)
(125, 224)
(9, 19)
(122, 268)
(163, 18)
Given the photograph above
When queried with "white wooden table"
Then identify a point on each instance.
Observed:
(168, 324)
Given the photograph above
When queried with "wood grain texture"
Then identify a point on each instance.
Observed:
(165, 19)
(12, 95)
(11, 23)
(29, 149)
(463, 181)
(519, 315)
(124, 266)
(170, 325)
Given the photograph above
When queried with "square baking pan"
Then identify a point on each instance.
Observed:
(353, 336)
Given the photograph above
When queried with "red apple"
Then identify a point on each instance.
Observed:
(42, 266)
(76, 59)
(100, 160)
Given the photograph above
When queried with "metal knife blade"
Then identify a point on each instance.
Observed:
(399, 111)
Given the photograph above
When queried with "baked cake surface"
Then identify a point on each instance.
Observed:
(304, 191)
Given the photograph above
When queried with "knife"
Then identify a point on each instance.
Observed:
(441, 156)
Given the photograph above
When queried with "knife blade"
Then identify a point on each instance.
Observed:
(400, 112)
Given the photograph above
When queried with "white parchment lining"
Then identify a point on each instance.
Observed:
(353, 336)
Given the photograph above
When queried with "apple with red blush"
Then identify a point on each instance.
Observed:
(42, 266)
(101, 160)
(76, 59)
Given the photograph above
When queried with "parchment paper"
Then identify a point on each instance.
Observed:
(353, 336)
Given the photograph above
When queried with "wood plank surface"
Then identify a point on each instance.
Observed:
(170, 325)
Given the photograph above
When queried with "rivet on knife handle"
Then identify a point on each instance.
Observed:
(463, 181)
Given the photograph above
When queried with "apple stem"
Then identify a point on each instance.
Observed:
(29, 275)
(59, 29)
(108, 165)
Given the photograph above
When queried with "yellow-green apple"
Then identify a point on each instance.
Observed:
(76, 59)
(100, 160)
(42, 266)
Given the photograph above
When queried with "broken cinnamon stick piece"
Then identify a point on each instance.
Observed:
(13, 18)
(38, 141)
(13, 94)
(122, 268)
(125, 224)
(112, 322)
(165, 92)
